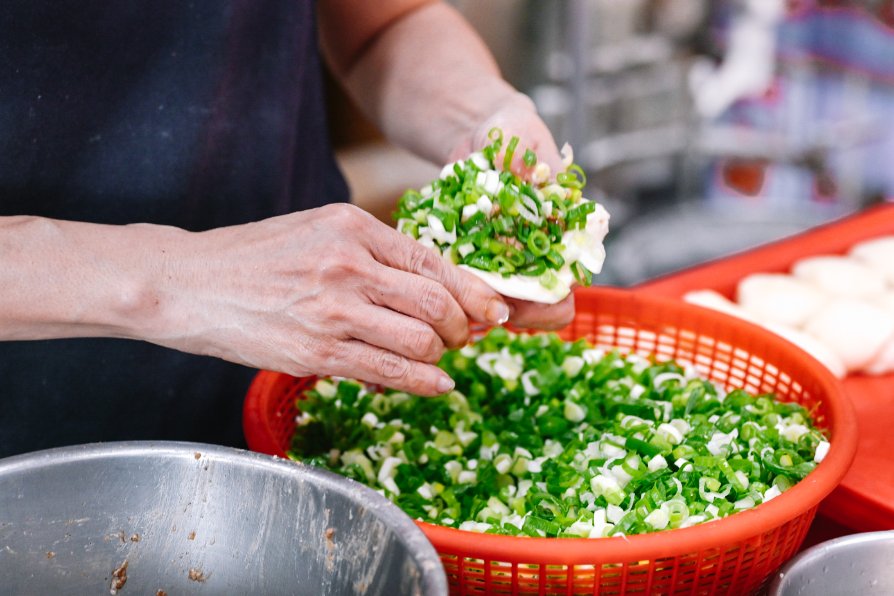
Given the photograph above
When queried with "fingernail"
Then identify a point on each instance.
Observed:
(497, 311)
(445, 384)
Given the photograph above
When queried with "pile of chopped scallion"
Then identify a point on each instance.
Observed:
(544, 437)
(491, 220)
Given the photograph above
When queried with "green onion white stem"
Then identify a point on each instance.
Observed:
(543, 437)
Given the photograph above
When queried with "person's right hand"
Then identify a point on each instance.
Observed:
(329, 291)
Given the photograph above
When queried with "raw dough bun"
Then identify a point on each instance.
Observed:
(854, 329)
(886, 302)
(840, 276)
(584, 246)
(716, 301)
(525, 287)
(878, 253)
(779, 298)
(883, 363)
(812, 346)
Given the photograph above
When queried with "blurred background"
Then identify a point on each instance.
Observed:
(711, 126)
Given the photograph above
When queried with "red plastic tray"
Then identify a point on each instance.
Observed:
(864, 501)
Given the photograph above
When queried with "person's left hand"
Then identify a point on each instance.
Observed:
(518, 117)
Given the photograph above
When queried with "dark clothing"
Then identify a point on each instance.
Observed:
(197, 114)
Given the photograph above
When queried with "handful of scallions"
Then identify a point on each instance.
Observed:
(529, 239)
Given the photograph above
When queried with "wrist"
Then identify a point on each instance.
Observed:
(74, 279)
(145, 304)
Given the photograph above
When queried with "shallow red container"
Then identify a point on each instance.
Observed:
(734, 555)
(864, 501)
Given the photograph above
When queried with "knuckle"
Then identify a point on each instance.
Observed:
(315, 356)
(462, 338)
(561, 317)
(338, 314)
(434, 303)
(343, 215)
(325, 350)
(391, 366)
(424, 344)
(339, 262)
(568, 311)
(422, 261)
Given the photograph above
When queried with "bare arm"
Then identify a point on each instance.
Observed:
(328, 291)
(69, 279)
(420, 71)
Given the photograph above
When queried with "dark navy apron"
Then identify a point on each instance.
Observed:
(193, 114)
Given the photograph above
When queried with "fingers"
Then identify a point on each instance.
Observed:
(542, 316)
(358, 360)
(519, 118)
(423, 299)
(476, 298)
(543, 147)
(403, 335)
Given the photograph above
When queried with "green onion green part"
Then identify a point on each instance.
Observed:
(543, 437)
(475, 212)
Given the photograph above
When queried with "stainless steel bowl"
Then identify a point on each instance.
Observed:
(187, 518)
(857, 564)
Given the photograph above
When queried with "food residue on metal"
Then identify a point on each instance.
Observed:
(192, 535)
(197, 455)
(197, 575)
(161, 593)
(329, 533)
(50, 554)
(135, 538)
(119, 578)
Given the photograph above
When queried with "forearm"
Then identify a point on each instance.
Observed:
(70, 279)
(429, 81)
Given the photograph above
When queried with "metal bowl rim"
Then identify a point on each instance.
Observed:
(826, 549)
(404, 528)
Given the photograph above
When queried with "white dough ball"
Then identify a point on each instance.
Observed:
(854, 329)
(812, 346)
(883, 363)
(779, 298)
(885, 301)
(526, 287)
(878, 253)
(840, 276)
(717, 301)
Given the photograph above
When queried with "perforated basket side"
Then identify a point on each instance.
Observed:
(733, 555)
(737, 568)
(269, 411)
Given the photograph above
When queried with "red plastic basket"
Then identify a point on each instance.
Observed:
(734, 555)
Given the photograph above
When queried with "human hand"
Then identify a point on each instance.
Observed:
(329, 291)
(517, 116)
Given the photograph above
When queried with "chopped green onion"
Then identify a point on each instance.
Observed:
(530, 158)
(544, 437)
(510, 152)
(538, 243)
(472, 198)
